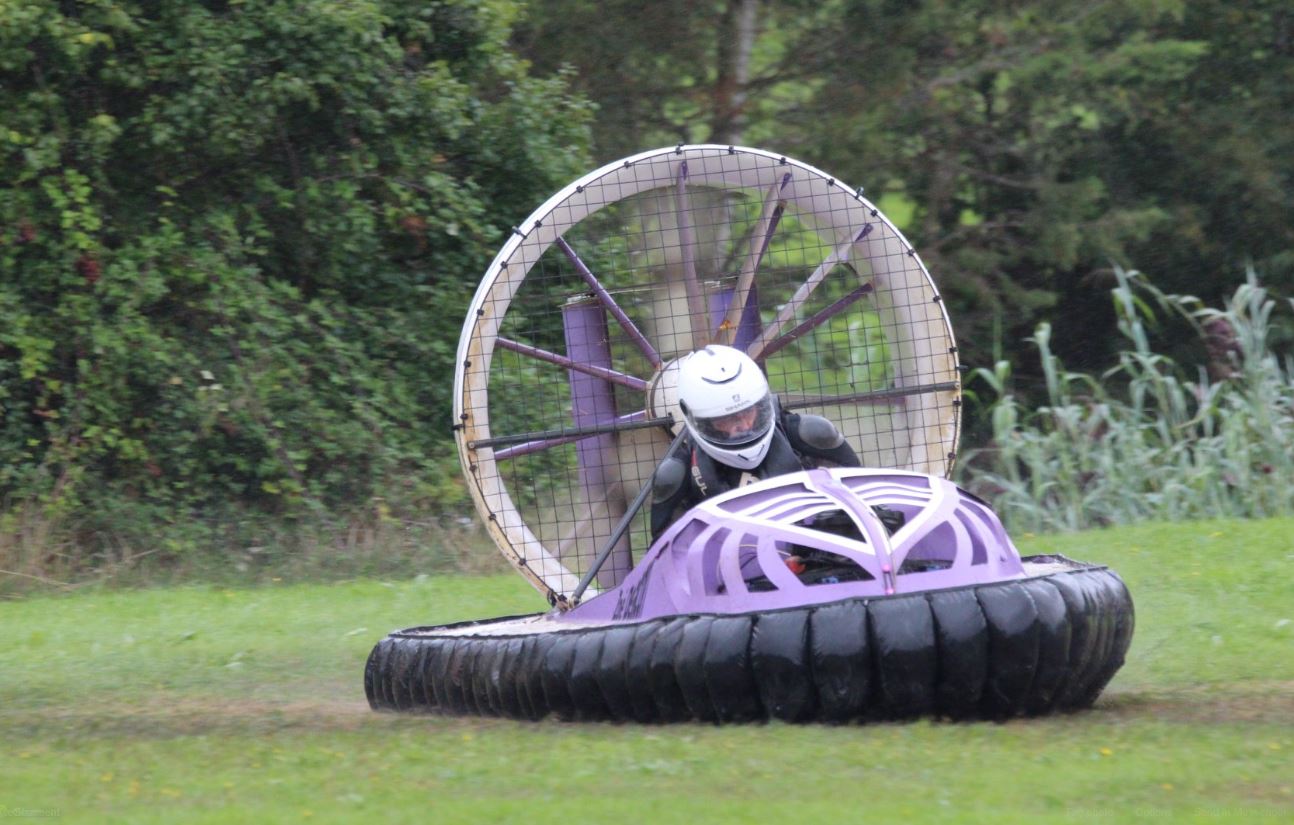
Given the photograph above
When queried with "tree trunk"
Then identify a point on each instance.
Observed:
(736, 39)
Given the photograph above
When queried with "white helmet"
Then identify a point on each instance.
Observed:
(727, 406)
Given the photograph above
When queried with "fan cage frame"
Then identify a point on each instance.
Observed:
(820, 201)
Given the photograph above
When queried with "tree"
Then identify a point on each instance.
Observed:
(1027, 146)
(660, 73)
(236, 241)
(998, 123)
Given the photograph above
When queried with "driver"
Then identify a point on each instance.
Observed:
(736, 434)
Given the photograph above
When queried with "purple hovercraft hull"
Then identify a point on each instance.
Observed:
(791, 599)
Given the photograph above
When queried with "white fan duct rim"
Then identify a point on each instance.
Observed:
(828, 206)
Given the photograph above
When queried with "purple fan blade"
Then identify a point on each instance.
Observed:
(604, 298)
(604, 373)
(769, 217)
(788, 310)
(818, 319)
(747, 327)
(514, 446)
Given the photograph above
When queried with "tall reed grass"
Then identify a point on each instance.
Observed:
(1150, 438)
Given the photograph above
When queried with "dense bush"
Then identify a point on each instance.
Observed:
(236, 243)
(1149, 439)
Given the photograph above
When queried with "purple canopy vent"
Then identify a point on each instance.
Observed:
(730, 553)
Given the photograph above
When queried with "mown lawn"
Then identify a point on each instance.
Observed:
(203, 704)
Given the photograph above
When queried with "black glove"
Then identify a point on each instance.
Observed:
(892, 519)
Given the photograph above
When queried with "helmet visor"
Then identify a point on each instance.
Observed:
(737, 428)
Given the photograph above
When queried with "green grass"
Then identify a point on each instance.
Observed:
(205, 704)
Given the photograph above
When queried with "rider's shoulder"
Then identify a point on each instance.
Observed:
(815, 431)
(669, 479)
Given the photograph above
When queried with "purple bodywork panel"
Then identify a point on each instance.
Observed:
(729, 553)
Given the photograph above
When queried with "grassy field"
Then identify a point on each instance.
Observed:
(207, 704)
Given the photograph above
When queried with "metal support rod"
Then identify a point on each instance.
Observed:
(625, 521)
(604, 297)
(571, 433)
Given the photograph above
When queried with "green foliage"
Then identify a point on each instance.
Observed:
(1146, 440)
(236, 241)
(1027, 145)
(236, 238)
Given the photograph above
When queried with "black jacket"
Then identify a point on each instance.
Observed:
(689, 474)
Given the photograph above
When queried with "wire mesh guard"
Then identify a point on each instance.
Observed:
(565, 379)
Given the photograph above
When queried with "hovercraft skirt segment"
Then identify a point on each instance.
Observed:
(1020, 647)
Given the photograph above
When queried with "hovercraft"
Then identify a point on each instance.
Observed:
(788, 598)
